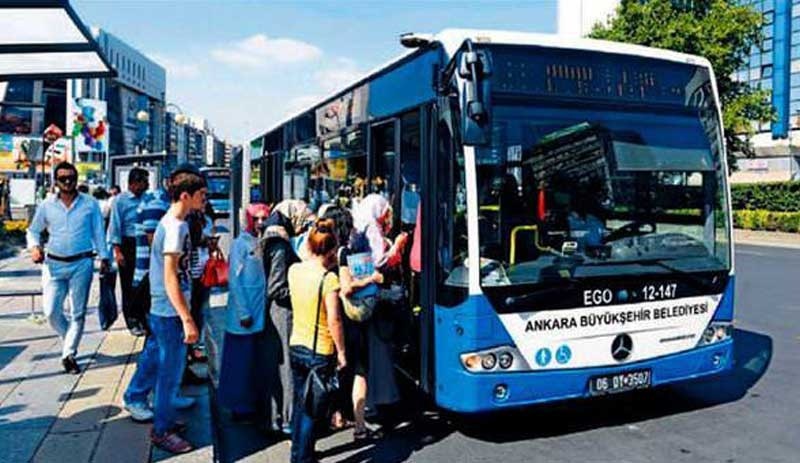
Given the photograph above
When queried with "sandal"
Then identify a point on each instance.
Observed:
(341, 427)
(341, 423)
(367, 435)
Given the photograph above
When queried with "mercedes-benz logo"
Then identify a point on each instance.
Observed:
(621, 347)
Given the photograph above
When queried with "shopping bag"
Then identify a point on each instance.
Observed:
(107, 310)
(360, 305)
(215, 272)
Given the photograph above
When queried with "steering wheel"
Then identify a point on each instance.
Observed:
(634, 228)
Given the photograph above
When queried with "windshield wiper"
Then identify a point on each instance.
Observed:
(550, 291)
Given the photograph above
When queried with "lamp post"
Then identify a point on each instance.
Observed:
(181, 120)
(49, 136)
(143, 117)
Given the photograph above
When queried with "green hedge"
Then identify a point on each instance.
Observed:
(767, 220)
(776, 196)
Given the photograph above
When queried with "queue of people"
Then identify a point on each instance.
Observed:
(292, 274)
(311, 295)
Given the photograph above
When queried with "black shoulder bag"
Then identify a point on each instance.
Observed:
(322, 382)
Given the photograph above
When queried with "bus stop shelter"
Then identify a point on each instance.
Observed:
(45, 39)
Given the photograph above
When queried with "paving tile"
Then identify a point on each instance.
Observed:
(123, 441)
(74, 447)
(78, 417)
(19, 445)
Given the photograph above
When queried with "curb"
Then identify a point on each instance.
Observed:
(765, 238)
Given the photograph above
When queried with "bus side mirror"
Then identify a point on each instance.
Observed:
(475, 68)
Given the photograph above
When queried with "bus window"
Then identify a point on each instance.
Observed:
(297, 167)
(346, 167)
(409, 167)
(384, 152)
(451, 242)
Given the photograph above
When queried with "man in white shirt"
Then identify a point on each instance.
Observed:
(75, 226)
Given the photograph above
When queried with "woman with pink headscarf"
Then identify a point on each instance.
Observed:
(242, 385)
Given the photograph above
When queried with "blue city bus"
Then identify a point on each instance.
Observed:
(219, 190)
(575, 215)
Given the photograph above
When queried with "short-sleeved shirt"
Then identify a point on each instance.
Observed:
(171, 237)
(304, 279)
(152, 208)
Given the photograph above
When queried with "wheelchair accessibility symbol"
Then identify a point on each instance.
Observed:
(563, 354)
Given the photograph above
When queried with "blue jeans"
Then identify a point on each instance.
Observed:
(160, 367)
(58, 280)
(303, 439)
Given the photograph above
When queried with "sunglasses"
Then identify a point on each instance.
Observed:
(260, 219)
(67, 179)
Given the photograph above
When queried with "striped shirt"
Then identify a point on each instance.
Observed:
(152, 208)
(124, 215)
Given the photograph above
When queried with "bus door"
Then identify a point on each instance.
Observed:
(272, 177)
(384, 165)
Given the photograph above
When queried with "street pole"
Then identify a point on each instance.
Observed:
(44, 153)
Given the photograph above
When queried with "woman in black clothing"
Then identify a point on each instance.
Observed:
(356, 341)
(278, 255)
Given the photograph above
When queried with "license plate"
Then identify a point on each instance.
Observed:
(619, 382)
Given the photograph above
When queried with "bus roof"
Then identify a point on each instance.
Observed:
(451, 41)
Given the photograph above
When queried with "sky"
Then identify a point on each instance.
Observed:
(246, 65)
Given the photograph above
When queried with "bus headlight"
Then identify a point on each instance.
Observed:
(716, 332)
(503, 358)
(488, 361)
(506, 360)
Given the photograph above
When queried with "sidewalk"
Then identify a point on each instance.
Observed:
(49, 416)
(766, 238)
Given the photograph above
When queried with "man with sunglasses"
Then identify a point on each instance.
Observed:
(122, 237)
(76, 232)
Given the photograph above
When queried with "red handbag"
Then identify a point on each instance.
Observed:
(215, 272)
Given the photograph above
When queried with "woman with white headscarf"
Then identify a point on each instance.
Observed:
(372, 216)
(373, 221)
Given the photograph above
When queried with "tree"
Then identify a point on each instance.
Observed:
(723, 31)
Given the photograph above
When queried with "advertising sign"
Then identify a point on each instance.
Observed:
(348, 109)
(18, 152)
(22, 191)
(87, 123)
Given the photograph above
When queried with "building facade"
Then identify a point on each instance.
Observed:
(136, 98)
(177, 137)
(27, 108)
(775, 66)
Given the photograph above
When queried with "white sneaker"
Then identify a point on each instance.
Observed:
(139, 411)
(181, 402)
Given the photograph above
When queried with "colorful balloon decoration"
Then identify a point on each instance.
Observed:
(87, 126)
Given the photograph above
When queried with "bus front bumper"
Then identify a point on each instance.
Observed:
(461, 391)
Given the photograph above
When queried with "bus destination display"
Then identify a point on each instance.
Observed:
(594, 76)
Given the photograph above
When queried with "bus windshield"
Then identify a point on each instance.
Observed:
(591, 190)
(218, 187)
